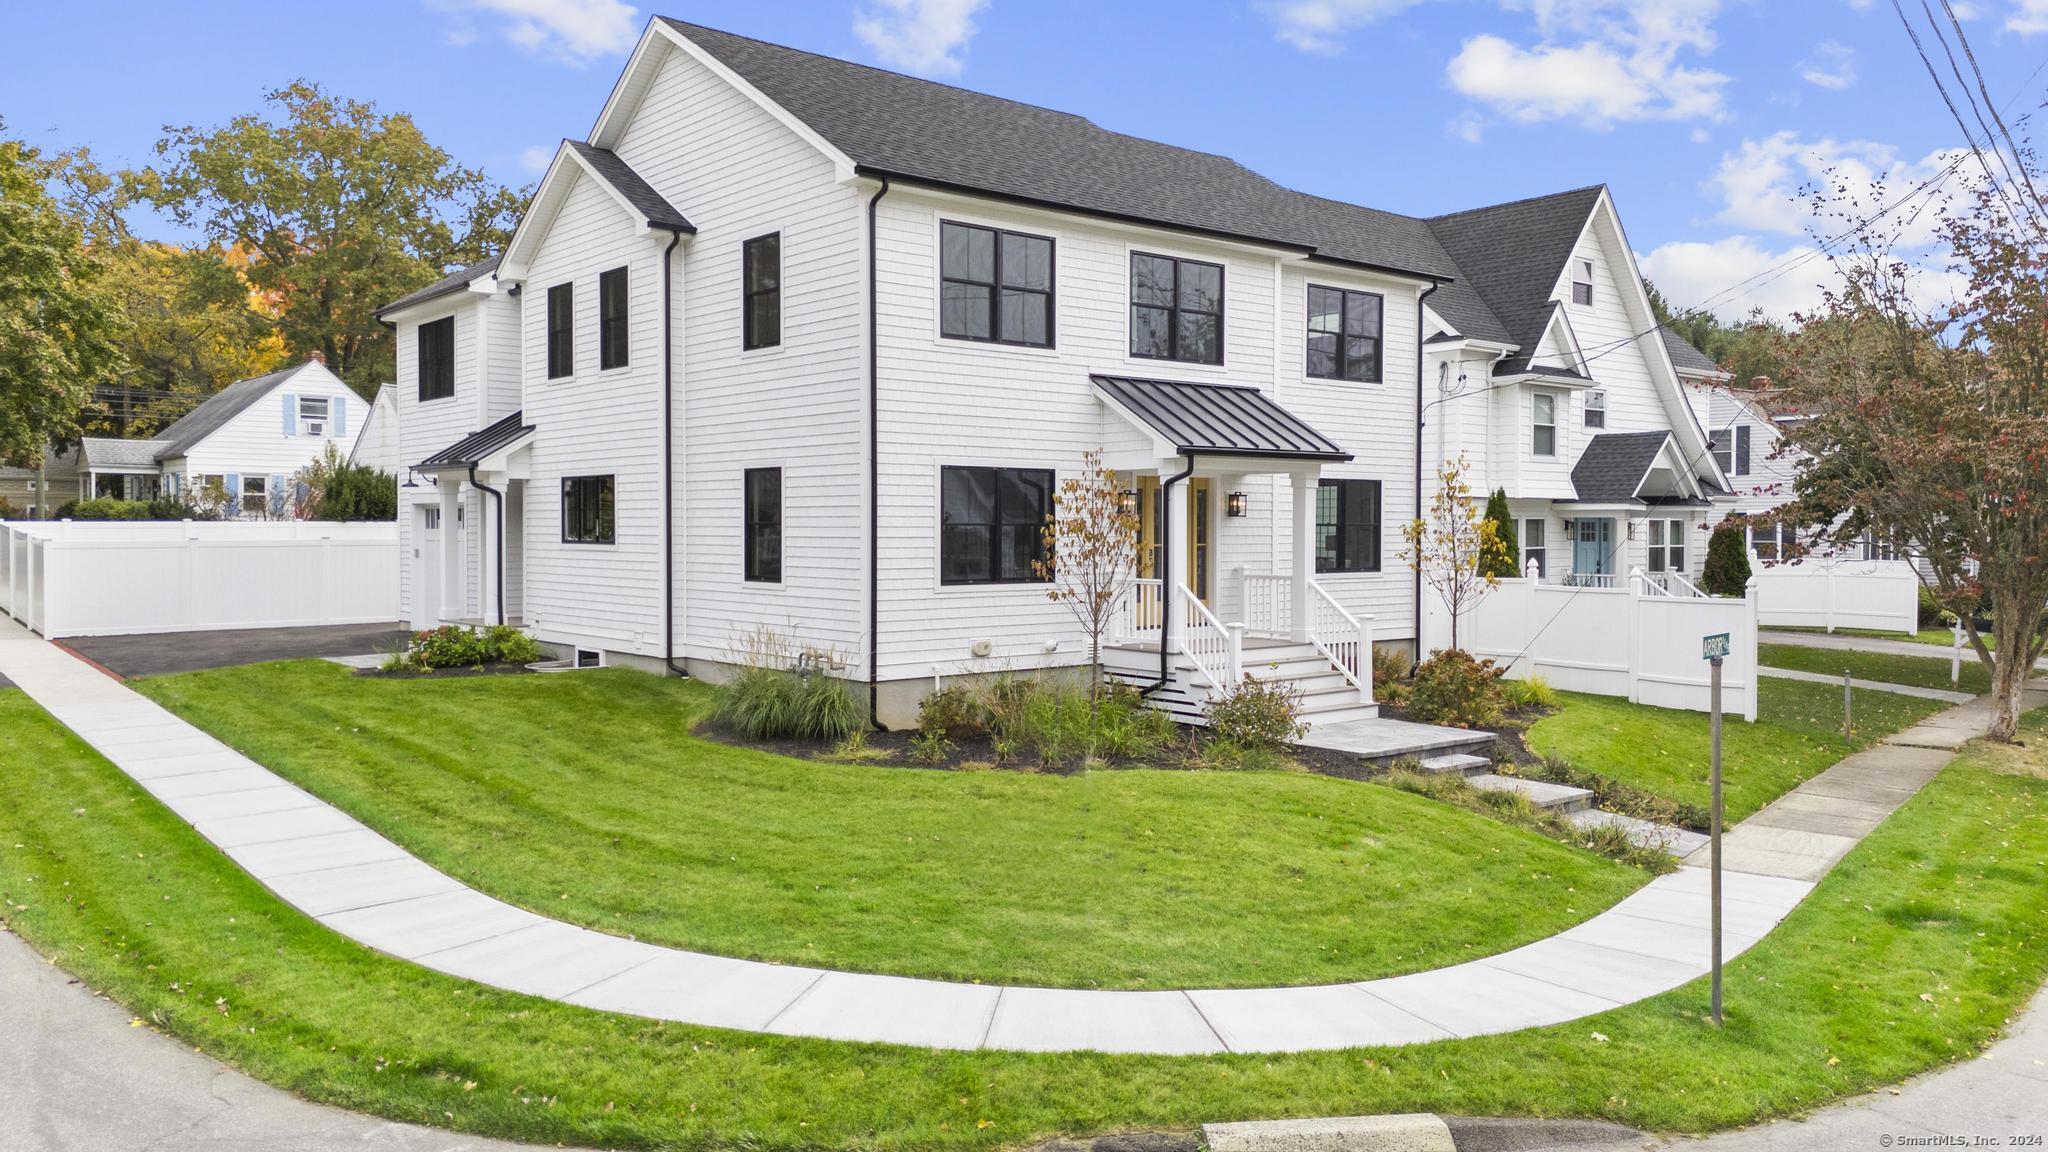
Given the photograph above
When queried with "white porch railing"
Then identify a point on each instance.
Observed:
(1585, 580)
(1346, 640)
(1268, 605)
(1137, 613)
(1216, 648)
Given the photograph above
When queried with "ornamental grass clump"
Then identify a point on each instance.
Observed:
(763, 703)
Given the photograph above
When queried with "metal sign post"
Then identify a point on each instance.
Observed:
(1714, 648)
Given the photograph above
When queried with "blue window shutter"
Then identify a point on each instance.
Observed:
(291, 414)
(275, 496)
(340, 417)
(235, 486)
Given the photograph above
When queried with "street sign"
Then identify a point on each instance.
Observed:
(1714, 647)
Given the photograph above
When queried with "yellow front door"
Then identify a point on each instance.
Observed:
(1194, 535)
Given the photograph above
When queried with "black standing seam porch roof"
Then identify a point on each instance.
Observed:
(1219, 419)
(478, 446)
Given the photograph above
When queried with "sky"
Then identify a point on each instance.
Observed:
(1705, 117)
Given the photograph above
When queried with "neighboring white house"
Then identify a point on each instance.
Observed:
(243, 443)
(377, 443)
(759, 357)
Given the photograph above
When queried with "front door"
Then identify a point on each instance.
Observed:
(426, 554)
(1193, 537)
(1592, 547)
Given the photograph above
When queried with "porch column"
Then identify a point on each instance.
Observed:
(1304, 563)
(452, 606)
(487, 551)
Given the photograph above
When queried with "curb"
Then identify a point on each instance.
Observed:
(1412, 1132)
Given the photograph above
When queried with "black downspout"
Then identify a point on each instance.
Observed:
(500, 496)
(1424, 295)
(874, 475)
(1166, 565)
(668, 454)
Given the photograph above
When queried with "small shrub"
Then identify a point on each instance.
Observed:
(1126, 729)
(930, 747)
(450, 646)
(509, 645)
(1389, 666)
(8, 511)
(763, 703)
(1257, 714)
(1454, 689)
(953, 713)
(1529, 692)
(1931, 613)
(1726, 572)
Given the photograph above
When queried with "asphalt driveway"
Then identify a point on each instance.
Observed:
(163, 653)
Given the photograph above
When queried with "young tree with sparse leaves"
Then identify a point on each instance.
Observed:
(1448, 544)
(1091, 553)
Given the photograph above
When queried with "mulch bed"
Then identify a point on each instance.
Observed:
(894, 750)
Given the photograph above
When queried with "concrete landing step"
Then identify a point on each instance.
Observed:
(1462, 763)
(1680, 842)
(1559, 798)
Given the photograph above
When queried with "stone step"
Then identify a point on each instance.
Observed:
(1334, 716)
(1680, 842)
(1462, 763)
(1559, 798)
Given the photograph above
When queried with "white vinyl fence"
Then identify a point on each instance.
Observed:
(1639, 639)
(1826, 592)
(101, 578)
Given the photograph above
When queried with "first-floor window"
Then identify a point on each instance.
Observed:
(587, 516)
(253, 496)
(1667, 546)
(1535, 545)
(763, 518)
(992, 524)
(1348, 526)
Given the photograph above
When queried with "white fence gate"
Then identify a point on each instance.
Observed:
(1826, 592)
(1639, 640)
(102, 578)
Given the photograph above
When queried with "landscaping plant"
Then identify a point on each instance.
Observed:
(1091, 553)
(1727, 568)
(1257, 715)
(454, 646)
(1454, 689)
(1450, 545)
(766, 703)
(1502, 559)
(336, 489)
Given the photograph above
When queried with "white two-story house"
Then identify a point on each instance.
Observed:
(794, 344)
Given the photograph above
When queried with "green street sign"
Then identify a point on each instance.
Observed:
(1714, 647)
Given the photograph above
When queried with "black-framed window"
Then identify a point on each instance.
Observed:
(763, 520)
(611, 319)
(1667, 546)
(587, 514)
(995, 285)
(992, 524)
(437, 359)
(1176, 309)
(561, 331)
(1344, 334)
(1348, 526)
(761, 270)
(1535, 545)
(1596, 409)
(1582, 282)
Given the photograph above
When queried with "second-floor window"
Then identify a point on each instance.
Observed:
(1343, 334)
(1741, 450)
(313, 413)
(1596, 409)
(611, 319)
(763, 516)
(587, 515)
(1176, 309)
(437, 359)
(992, 524)
(1543, 440)
(1582, 282)
(1348, 526)
(761, 260)
(561, 331)
(995, 285)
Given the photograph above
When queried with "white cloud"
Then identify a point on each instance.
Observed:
(573, 31)
(2029, 17)
(1469, 128)
(535, 160)
(1597, 61)
(1691, 273)
(1320, 25)
(1765, 185)
(1832, 66)
(922, 36)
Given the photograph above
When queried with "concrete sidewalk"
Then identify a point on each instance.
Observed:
(323, 862)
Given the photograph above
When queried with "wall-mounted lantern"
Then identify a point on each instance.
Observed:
(1240, 503)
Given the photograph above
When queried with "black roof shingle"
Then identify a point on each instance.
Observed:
(1511, 255)
(651, 205)
(453, 281)
(1684, 356)
(1614, 464)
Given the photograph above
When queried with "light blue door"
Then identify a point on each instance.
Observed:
(1592, 547)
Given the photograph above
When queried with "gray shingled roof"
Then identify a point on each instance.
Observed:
(1219, 419)
(1512, 254)
(217, 410)
(931, 133)
(54, 464)
(108, 452)
(478, 446)
(453, 281)
(638, 192)
(1684, 356)
(1614, 464)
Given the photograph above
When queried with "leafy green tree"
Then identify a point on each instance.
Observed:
(339, 207)
(1502, 559)
(59, 327)
(1727, 569)
(337, 489)
(1752, 352)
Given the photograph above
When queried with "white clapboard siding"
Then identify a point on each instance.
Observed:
(426, 428)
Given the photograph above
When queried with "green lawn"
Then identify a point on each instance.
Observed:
(584, 797)
(1797, 733)
(1917, 671)
(1938, 635)
(1912, 954)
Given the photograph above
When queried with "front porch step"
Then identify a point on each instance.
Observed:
(1462, 763)
(1559, 798)
(1384, 742)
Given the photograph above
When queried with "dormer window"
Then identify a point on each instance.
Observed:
(1582, 282)
(313, 415)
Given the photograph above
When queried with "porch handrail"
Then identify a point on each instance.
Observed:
(1137, 612)
(1216, 650)
(1268, 604)
(1691, 589)
(1343, 639)
(1650, 585)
